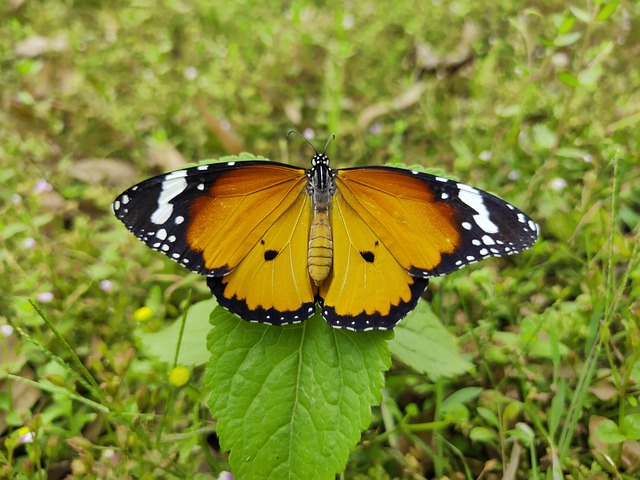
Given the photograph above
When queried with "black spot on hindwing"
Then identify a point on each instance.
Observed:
(270, 255)
(369, 257)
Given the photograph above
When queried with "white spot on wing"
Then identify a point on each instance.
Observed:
(487, 240)
(473, 199)
(172, 186)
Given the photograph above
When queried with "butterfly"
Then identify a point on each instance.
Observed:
(274, 240)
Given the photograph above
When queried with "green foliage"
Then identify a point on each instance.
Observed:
(291, 401)
(537, 103)
(192, 344)
(422, 342)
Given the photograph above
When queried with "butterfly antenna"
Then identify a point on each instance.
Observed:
(304, 138)
(332, 137)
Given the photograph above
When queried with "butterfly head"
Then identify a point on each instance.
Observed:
(319, 159)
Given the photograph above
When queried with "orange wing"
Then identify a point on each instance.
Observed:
(245, 225)
(367, 287)
(393, 229)
(271, 284)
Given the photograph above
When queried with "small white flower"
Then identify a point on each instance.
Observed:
(190, 72)
(485, 155)
(514, 175)
(348, 21)
(558, 183)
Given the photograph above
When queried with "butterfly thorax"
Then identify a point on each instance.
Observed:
(320, 188)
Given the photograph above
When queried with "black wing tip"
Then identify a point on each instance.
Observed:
(364, 322)
(269, 316)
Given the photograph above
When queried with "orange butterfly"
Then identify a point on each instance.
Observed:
(274, 240)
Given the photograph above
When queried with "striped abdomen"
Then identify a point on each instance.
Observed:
(320, 245)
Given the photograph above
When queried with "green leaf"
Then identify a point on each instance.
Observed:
(607, 10)
(569, 79)
(464, 395)
(543, 136)
(193, 349)
(631, 426)
(291, 401)
(566, 24)
(580, 14)
(609, 432)
(567, 39)
(571, 152)
(483, 435)
(423, 343)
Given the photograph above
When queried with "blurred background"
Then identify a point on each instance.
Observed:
(537, 101)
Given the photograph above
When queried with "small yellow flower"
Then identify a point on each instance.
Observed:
(179, 376)
(143, 314)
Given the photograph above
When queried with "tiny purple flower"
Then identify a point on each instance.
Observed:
(106, 286)
(376, 128)
(42, 186)
(25, 435)
(6, 330)
(45, 297)
(225, 124)
(28, 242)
